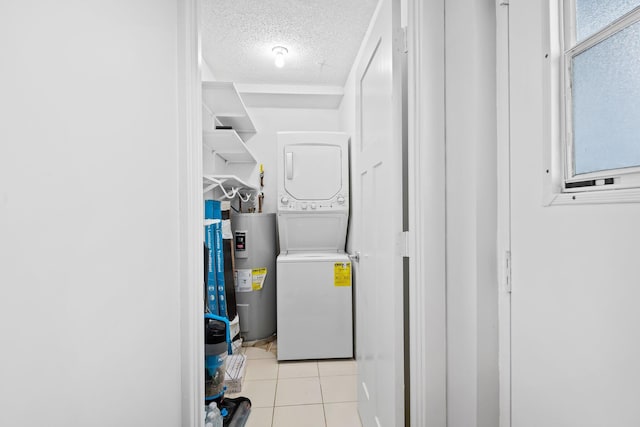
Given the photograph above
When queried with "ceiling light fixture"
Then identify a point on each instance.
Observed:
(280, 53)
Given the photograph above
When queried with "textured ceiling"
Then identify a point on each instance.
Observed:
(322, 36)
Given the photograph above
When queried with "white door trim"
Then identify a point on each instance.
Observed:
(190, 203)
(427, 214)
(504, 210)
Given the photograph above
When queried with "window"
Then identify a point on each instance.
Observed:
(601, 83)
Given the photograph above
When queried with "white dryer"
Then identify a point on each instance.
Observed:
(313, 191)
(314, 296)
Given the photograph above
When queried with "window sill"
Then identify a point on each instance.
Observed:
(630, 195)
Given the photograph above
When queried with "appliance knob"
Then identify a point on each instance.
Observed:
(340, 200)
(313, 205)
(304, 206)
(284, 201)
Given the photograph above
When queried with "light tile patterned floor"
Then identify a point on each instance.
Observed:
(296, 394)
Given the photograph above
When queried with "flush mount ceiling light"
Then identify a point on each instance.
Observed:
(280, 52)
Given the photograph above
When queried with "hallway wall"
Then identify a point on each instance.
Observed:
(89, 244)
(575, 269)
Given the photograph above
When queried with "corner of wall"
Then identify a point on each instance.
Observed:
(206, 72)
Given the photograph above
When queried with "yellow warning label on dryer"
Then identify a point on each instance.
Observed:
(342, 274)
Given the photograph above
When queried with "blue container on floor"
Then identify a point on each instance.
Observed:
(217, 345)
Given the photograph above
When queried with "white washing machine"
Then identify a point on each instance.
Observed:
(314, 306)
(314, 292)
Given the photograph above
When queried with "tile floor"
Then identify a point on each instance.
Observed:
(299, 394)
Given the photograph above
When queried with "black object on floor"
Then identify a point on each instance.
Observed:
(237, 411)
(215, 353)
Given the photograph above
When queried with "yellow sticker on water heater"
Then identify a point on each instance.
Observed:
(257, 278)
(342, 274)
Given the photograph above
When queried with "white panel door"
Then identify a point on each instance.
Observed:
(575, 342)
(378, 219)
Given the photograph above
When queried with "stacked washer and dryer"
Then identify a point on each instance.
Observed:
(314, 293)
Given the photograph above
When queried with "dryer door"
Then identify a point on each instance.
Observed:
(313, 171)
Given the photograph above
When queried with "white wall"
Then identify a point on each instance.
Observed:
(89, 276)
(575, 317)
(471, 213)
(347, 109)
(207, 72)
(268, 121)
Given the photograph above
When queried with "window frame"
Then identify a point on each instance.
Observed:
(562, 185)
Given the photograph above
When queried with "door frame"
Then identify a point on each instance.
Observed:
(427, 214)
(426, 239)
(191, 207)
(503, 127)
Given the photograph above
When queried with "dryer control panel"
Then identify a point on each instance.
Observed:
(340, 203)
